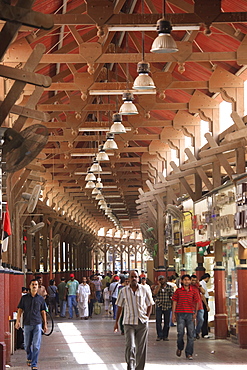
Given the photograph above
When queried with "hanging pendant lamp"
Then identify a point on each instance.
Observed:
(90, 185)
(99, 184)
(95, 191)
(102, 201)
(99, 196)
(164, 42)
(128, 108)
(102, 155)
(110, 142)
(95, 166)
(90, 175)
(143, 81)
(117, 127)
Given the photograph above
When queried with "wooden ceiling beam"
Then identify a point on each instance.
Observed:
(105, 124)
(82, 138)
(147, 19)
(72, 161)
(122, 86)
(104, 107)
(55, 151)
(196, 57)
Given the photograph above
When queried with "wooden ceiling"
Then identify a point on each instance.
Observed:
(81, 55)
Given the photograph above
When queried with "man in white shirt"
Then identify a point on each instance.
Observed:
(137, 303)
(146, 286)
(113, 289)
(203, 281)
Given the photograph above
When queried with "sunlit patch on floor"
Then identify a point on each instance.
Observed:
(81, 351)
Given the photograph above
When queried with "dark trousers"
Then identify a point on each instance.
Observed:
(90, 307)
(114, 307)
(205, 320)
(162, 332)
(53, 305)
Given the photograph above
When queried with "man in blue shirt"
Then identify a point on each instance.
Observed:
(71, 289)
(33, 306)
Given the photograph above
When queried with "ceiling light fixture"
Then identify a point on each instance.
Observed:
(113, 196)
(90, 176)
(78, 173)
(88, 129)
(90, 185)
(99, 184)
(82, 154)
(117, 127)
(110, 187)
(99, 196)
(164, 42)
(95, 166)
(96, 191)
(128, 108)
(143, 27)
(119, 92)
(143, 81)
(102, 155)
(110, 142)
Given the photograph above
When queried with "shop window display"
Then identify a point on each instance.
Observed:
(230, 256)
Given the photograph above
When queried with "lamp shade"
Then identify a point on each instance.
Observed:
(95, 166)
(108, 211)
(164, 42)
(95, 191)
(110, 142)
(99, 184)
(90, 176)
(90, 185)
(102, 155)
(128, 108)
(99, 196)
(117, 127)
(143, 81)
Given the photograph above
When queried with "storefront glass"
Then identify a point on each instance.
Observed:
(230, 257)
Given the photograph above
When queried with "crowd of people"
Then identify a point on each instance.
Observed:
(128, 299)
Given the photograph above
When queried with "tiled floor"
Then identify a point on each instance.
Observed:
(92, 345)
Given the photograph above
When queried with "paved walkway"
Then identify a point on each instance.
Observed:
(92, 345)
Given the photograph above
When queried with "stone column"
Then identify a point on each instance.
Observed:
(161, 244)
(220, 317)
(200, 270)
(171, 269)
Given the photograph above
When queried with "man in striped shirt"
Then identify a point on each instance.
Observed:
(184, 311)
(137, 303)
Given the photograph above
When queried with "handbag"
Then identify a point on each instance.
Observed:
(97, 308)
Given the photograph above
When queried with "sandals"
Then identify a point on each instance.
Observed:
(29, 362)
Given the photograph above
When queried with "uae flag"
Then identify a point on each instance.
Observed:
(6, 230)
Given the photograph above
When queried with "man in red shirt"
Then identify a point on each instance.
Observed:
(184, 311)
